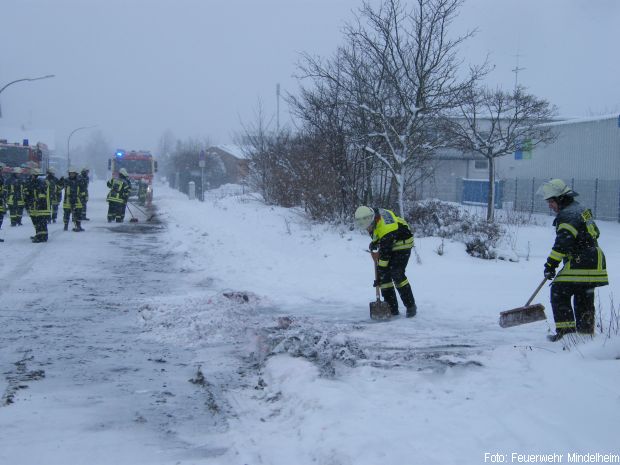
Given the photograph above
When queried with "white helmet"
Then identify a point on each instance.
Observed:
(72, 170)
(51, 170)
(555, 188)
(123, 172)
(364, 216)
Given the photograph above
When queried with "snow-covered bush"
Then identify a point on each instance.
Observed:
(452, 221)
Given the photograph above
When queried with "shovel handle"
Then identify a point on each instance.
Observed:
(375, 259)
(542, 283)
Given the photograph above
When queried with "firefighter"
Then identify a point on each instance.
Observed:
(142, 191)
(118, 196)
(576, 246)
(15, 196)
(393, 239)
(84, 179)
(38, 201)
(55, 193)
(2, 195)
(72, 204)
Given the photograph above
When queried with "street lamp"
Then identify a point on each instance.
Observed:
(69, 140)
(24, 79)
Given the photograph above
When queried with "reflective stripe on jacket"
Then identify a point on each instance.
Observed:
(576, 245)
(391, 234)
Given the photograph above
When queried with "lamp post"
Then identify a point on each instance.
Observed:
(69, 140)
(21, 80)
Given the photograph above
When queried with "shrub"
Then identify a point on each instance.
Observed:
(451, 221)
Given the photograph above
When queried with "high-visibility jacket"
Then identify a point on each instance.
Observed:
(2, 195)
(84, 179)
(15, 191)
(119, 190)
(38, 198)
(72, 192)
(391, 234)
(55, 189)
(576, 245)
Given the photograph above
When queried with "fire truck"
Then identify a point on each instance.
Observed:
(141, 167)
(23, 155)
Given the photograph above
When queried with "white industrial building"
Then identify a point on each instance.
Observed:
(586, 154)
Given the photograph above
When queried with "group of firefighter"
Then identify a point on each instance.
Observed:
(576, 247)
(40, 196)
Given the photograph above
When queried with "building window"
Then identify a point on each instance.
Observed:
(481, 164)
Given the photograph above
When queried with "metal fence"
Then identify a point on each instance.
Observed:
(601, 196)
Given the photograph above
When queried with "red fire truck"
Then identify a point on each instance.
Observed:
(141, 167)
(23, 155)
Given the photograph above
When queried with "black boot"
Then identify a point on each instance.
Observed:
(389, 295)
(406, 295)
(411, 311)
(66, 228)
(559, 334)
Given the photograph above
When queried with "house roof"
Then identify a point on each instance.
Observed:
(234, 150)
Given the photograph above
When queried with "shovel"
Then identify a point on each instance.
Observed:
(526, 314)
(133, 218)
(149, 218)
(379, 310)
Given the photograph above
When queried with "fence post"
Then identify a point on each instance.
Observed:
(516, 191)
(595, 196)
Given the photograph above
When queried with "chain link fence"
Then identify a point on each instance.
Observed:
(601, 196)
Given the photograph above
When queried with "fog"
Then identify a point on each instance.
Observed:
(136, 68)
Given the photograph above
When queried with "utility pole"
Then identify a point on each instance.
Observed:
(516, 70)
(278, 107)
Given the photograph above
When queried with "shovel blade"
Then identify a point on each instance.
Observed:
(522, 315)
(380, 310)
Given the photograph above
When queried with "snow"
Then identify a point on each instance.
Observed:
(267, 314)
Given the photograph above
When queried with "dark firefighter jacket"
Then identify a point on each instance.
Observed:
(15, 191)
(2, 195)
(576, 245)
(55, 188)
(391, 234)
(38, 200)
(84, 179)
(119, 190)
(72, 192)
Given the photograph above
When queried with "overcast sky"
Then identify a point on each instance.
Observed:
(136, 68)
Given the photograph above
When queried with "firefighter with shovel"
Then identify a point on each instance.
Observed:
(393, 240)
(576, 246)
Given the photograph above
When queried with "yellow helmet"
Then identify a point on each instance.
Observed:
(364, 216)
(555, 188)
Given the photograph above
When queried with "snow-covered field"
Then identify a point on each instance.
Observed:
(267, 315)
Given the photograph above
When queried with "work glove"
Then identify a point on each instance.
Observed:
(373, 246)
(375, 283)
(549, 271)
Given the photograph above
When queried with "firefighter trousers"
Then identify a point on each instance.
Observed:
(569, 318)
(394, 275)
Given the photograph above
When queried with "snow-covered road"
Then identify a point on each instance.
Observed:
(76, 375)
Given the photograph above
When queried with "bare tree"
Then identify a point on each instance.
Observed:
(96, 154)
(495, 123)
(399, 70)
